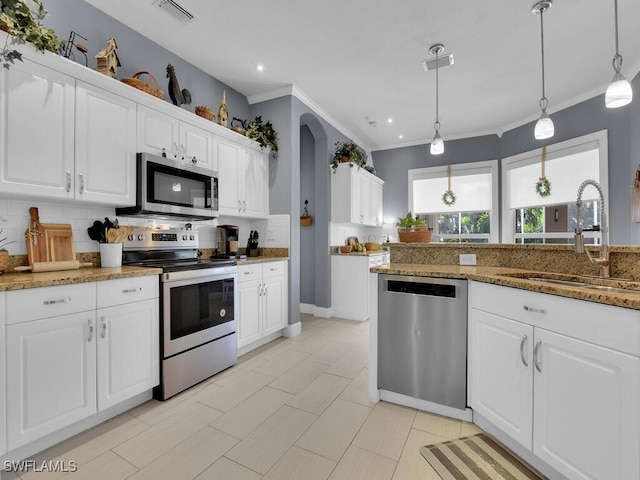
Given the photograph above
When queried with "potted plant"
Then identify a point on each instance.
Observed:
(347, 152)
(263, 133)
(413, 230)
(22, 20)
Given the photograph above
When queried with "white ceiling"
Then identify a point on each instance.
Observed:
(355, 59)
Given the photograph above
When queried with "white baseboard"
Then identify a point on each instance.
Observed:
(41, 444)
(314, 310)
(292, 330)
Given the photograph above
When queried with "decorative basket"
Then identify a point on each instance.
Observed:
(205, 112)
(411, 236)
(305, 221)
(150, 87)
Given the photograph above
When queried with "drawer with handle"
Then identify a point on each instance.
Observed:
(127, 290)
(248, 273)
(273, 269)
(36, 303)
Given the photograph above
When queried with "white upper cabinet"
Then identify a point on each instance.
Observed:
(356, 196)
(243, 180)
(188, 144)
(63, 138)
(105, 146)
(36, 131)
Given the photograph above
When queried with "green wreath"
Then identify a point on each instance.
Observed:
(543, 187)
(448, 198)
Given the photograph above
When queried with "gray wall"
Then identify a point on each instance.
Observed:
(287, 115)
(590, 116)
(307, 234)
(393, 166)
(138, 53)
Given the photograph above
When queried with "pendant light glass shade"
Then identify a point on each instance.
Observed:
(437, 144)
(544, 127)
(619, 92)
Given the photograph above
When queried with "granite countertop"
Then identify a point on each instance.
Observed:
(19, 281)
(260, 259)
(519, 278)
(368, 253)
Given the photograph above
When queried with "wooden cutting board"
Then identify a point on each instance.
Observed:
(59, 242)
(37, 250)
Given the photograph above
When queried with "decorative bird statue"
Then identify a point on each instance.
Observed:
(178, 97)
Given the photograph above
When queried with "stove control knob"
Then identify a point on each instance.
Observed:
(141, 237)
(131, 237)
(192, 237)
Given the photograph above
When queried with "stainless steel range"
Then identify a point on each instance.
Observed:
(198, 306)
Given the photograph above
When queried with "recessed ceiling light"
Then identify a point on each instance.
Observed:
(260, 68)
(389, 120)
(400, 137)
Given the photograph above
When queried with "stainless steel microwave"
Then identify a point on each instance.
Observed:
(165, 189)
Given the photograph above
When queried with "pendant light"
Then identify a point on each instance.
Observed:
(544, 125)
(619, 92)
(437, 144)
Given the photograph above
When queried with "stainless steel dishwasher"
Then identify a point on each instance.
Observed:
(422, 338)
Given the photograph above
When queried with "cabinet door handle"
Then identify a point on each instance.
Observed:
(132, 290)
(536, 360)
(104, 327)
(175, 150)
(264, 292)
(523, 341)
(542, 311)
(58, 301)
(81, 182)
(244, 206)
(68, 181)
(90, 331)
(239, 205)
(194, 160)
(259, 289)
(184, 150)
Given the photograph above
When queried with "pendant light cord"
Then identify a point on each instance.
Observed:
(543, 101)
(437, 124)
(617, 59)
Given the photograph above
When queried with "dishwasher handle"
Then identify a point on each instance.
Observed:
(419, 288)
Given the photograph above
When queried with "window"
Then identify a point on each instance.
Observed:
(474, 215)
(530, 218)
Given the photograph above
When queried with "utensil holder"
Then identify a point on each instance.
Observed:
(110, 254)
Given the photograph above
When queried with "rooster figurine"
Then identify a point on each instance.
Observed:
(178, 97)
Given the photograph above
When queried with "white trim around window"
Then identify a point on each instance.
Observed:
(459, 170)
(597, 140)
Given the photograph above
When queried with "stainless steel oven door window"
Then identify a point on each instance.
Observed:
(197, 311)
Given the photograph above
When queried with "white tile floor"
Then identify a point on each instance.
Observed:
(294, 409)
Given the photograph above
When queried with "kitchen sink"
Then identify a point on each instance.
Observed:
(590, 286)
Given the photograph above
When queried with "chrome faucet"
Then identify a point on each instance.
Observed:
(602, 261)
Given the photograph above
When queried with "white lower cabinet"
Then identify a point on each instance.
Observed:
(64, 365)
(262, 300)
(350, 284)
(51, 375)
(570, 401)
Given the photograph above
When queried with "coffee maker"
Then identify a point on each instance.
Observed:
(226, 241)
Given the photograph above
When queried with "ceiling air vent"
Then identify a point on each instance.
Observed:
(176, 10)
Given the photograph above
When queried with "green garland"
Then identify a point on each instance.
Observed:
(543, 187)
(448, 198)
